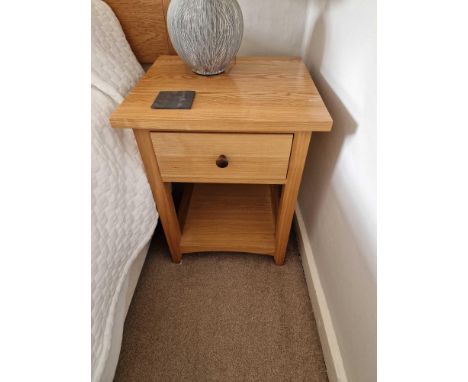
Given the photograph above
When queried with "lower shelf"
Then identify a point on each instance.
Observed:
(229, 218)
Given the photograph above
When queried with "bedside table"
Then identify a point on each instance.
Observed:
(241, 150)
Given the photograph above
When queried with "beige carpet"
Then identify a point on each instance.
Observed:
(220, 317)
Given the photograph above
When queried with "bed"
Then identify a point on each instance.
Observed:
(123, 212)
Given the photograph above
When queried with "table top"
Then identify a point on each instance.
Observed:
(257, 94)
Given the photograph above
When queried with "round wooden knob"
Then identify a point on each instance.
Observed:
(222, 161)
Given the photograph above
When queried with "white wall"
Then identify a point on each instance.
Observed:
(338, 192)
(273, 27)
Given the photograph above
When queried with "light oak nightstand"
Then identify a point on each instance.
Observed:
(241, 148)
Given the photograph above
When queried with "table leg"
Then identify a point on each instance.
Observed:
(161, 193)
(289, 194)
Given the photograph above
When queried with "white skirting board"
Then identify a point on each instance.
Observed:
(331, 350)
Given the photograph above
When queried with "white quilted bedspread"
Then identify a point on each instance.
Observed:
(123, 211)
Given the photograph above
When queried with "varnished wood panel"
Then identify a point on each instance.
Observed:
(171, 48)
(144, 25)
(161, 194)
(289, 193)
(252, 158)
(231, 218)
(184, 204)
(273, 96)
(259, 94)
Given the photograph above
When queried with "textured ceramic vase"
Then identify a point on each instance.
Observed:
(205, 33)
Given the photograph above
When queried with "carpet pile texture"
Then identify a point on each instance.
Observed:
(220, 317)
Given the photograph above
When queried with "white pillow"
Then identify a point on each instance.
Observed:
(114, 67)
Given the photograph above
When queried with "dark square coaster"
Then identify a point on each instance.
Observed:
(174, 100)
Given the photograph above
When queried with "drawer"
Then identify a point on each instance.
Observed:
(196, 157)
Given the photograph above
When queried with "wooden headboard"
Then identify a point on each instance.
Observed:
(144, 24)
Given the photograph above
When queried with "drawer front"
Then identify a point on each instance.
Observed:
(197, 157)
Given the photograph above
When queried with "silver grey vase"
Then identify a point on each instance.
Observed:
(206, 34)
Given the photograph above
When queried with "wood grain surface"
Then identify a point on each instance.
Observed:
(252, 158)
(250, 115)
(144, 25)
(259, 94)
(289, 193)
(161, 194)
(166, 6)
(231, 218)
